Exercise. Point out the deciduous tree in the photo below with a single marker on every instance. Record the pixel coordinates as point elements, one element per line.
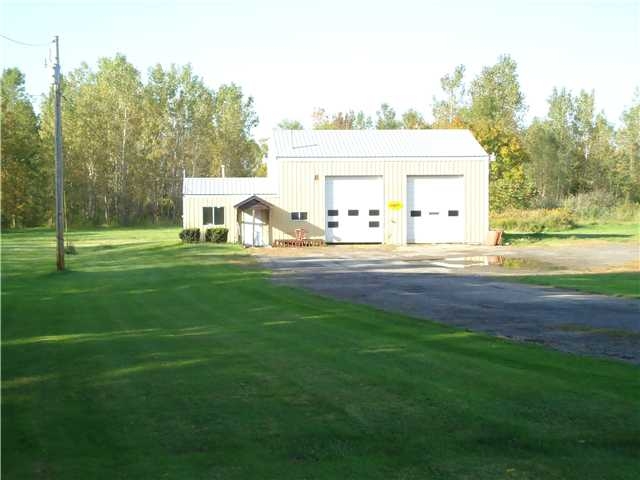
<point>627,168</point>
<point>413,120</point>
<point>26,178</point>
<point>387,118</point>
<point>495,116</point>
<point>340,121</point>
<point>233,146</point>
<point>287,124</point>
<point>446,112</point>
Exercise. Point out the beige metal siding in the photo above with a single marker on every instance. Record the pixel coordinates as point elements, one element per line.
<point>302,189</point>
<point>302,184</point>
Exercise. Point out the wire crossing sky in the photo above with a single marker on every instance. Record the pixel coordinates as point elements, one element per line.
<point>24,44</point>
<point>295,56</point>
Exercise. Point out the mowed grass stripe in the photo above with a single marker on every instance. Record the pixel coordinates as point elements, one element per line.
<point>150,359</point>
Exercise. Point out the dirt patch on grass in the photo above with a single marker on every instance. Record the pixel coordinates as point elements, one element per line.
<point>632,266</point>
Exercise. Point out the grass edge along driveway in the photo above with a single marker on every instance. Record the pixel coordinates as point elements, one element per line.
<point>150,359</point>
<point>615,232</point>
<point>621,284</point>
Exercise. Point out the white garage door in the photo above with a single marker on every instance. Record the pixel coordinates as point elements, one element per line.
<point>354,209</point>
<point>435,209</point>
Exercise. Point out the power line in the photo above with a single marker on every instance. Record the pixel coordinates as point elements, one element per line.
<point>25,44</point>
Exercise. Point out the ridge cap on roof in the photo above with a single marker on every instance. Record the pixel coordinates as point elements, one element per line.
<point>228,178</point>
<point>372,130</point>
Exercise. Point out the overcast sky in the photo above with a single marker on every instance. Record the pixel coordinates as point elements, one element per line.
<point>295,56</point>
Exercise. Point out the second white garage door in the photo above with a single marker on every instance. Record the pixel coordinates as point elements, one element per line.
<point>435,209</point>
<point>354,209</point>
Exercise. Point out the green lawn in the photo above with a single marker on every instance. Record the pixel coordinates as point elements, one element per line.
<point>611,232</point>
<point>150,359</point>
<point>625,284</point>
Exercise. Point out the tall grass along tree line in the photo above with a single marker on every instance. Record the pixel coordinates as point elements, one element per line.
<point>129,140</point>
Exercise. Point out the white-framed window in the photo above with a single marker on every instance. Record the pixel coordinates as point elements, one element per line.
<point>212,215</point>
<point>298,216</point>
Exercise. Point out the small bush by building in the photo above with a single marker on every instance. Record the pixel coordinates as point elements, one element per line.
<point>190,235</point>
<point>216,235</point>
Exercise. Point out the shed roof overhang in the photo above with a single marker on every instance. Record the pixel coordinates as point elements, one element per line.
<point>253,202</point>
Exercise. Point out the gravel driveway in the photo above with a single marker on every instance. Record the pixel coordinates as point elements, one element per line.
<point>458,286</point>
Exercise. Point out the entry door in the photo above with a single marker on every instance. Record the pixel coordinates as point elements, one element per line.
<point>435,209</point>
<point>354,209</point>
<point>258,231</point>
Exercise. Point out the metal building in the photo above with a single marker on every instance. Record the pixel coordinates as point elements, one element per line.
<point>353,186</point>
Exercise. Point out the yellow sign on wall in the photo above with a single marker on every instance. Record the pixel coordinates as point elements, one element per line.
<point>395,205</point>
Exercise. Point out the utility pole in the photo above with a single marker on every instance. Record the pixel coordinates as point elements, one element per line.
<point>59,165</point>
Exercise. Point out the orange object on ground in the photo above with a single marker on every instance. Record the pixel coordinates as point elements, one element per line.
<point>494,237</point>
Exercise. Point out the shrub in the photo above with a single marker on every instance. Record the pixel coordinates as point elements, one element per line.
<point>511,190</point>
<point>216,235</point>
<point>601,206</point>
<point>627,212</point>
<point>545,202</point>
<point>592,205</point>
<point>190,235</point>
<point>534,221</point>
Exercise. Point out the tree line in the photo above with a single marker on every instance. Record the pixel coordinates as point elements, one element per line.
<point>573,150</point>
<point>128,141</point>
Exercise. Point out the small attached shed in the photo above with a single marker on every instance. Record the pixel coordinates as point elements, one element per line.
<point>240,204</point>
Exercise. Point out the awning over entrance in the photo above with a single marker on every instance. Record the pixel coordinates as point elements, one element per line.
<point>253,219</point>
<point>254,202</point>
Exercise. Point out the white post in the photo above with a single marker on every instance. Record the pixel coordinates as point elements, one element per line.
<point>253,227</point>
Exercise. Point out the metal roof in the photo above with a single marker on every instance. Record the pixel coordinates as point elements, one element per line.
<point>228,186</point>
<point>342,144</point>
<point>375,143</point>
<point>252,202</point>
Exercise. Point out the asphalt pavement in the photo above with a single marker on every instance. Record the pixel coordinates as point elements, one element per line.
<point>459,291</point>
